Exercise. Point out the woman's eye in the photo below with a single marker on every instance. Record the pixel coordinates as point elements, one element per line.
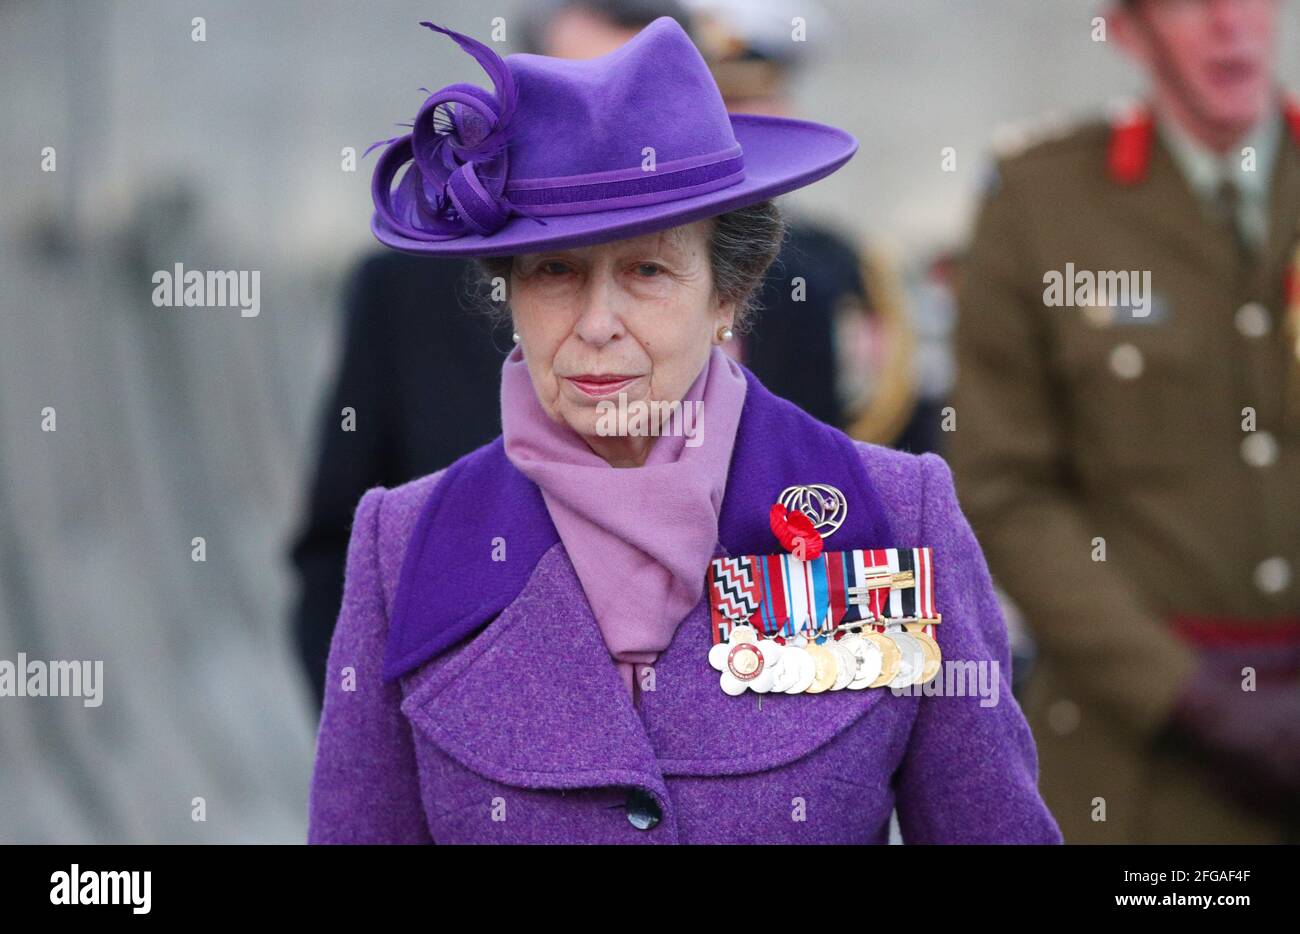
<point>648,270</point>
<point>554,268</point>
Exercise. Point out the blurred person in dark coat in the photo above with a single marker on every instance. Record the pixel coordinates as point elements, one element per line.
<point>421,383</point>
<point>833,335</point>
<point>1130,460</point>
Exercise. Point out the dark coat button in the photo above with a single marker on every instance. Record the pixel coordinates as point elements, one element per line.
<point>642,809</point>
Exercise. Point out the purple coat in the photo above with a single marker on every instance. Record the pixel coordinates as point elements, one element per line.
<point>491,711</point>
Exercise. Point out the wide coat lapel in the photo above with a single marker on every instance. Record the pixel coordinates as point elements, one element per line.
<point>534,700</point>
<point>481,533</point>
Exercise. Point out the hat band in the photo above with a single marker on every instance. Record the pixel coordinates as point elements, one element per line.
<point>626,188</point>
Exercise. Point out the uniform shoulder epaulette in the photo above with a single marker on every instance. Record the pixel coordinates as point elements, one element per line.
<point>1040,146</point>
<point>1050,133</point>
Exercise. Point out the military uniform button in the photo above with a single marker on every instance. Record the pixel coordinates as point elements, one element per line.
<point>1126,361</point>
<point>1253,320</point>
<point>1099,316</point>
<point>1273,575</point>
<point>1259,449</point>
<point>642,809</point>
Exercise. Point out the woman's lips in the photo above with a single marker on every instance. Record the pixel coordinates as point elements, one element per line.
<point>598,386</point>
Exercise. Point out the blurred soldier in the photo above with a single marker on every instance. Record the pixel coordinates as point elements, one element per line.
<point>1128,447</point>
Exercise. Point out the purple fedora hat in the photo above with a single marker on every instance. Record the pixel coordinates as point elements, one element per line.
<point>570,153</point>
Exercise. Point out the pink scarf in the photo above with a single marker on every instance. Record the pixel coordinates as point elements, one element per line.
<point>640,538</point>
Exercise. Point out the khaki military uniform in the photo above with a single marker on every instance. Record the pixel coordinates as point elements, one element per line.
<point>1079,428</point>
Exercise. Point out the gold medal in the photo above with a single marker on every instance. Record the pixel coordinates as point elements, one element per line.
<point>826,667</point>
<point>890,657</point>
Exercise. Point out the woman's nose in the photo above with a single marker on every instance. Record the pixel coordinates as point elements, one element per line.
<point>599,319</point>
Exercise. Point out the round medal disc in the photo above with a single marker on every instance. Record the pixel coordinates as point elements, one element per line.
<point>846,665</point>
<point>933,657</point>
<point>805,670</point>
<point>771,650</point>
<point>890,657</point>
<point>745,661</point>
<point>912,662</point>
<point>784,671</point>
<point>869,659</point>
<point>826,670</point>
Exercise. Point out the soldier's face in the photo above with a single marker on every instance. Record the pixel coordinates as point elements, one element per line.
<point>577,33</point>
<point>1214,56</point>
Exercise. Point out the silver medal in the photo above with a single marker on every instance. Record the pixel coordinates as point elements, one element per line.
<point>869,660</point>
<point>912,663</point>
<point>846,666</point>
<point>805,669</point>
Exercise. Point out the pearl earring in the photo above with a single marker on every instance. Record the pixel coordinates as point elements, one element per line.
<point>725,334</point>
<point>515,337</point>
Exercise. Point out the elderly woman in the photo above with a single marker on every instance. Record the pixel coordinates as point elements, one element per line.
<point>665,605</point>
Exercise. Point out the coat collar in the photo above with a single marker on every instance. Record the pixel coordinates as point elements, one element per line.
<point>532,698</point>
<point>535,700</point>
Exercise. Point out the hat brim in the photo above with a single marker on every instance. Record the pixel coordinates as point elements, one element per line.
<point>781,155</point>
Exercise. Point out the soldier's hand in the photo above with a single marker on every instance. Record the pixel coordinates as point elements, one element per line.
<point>1250,739</point>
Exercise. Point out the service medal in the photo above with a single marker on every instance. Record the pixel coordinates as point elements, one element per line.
<point>826,670</point>
<point>805,669</point>
<point>933,656</point>
<point>868,657</point>
<point>890,657</point>
<point>912,661</point>
<point>873,608</point>
<point>846,665</point>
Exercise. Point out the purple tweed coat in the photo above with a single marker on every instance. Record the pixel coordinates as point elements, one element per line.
<point>470,704</point>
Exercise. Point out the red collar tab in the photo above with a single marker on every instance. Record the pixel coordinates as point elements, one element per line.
<point>1133,133</point>
<point>1292,110</point>
<point>1130,146</point>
